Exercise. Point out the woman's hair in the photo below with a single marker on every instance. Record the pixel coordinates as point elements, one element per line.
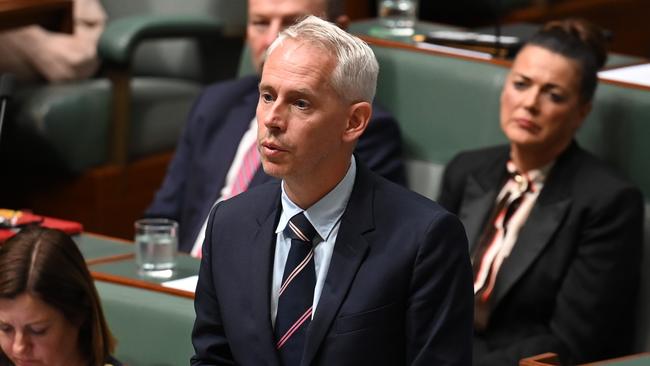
<point>47,264</point>
<point>580,41</point>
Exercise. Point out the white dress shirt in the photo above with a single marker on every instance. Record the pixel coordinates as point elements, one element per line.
<point>325,216</point>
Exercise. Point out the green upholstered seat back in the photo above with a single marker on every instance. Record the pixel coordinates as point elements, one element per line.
<point>446,104</point>
<point>181,57</point>
<point>151,328</point>
<point>443,104</point>
<point>617,130</point>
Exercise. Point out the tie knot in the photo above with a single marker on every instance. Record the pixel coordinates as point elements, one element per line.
<point>300,228</point>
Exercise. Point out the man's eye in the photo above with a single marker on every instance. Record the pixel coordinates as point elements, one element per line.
<point>301,103</point>
<point>260,23</point>
<point>6,328</point>
<point>266,97</point>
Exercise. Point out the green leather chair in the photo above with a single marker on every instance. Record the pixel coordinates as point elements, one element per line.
<point>157,55</point>
<point>80,144</point>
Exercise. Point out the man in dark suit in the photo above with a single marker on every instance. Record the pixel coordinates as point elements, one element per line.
<point>383,273</point>
<point>221,128</point>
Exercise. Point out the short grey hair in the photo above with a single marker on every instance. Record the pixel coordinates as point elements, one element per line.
<point>355,76</point>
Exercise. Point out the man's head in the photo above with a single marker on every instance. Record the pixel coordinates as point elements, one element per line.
<point>266,18</point>
<point>315,102</point>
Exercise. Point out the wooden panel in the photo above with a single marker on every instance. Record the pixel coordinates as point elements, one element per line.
<point>356,9</point>
<point>626,19</point>
<point>106,200</point>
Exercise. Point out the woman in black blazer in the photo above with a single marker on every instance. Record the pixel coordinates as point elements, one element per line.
<point>555,235</point>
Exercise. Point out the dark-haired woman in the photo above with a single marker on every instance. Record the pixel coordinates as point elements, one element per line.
<point>50,312</point>
<point>555,235</point>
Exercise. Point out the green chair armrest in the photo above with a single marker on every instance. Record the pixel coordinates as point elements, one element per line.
<point>121,36</point>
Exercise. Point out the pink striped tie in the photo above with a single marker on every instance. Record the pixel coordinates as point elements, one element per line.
<point>297,291</point>
<point>247,170</point>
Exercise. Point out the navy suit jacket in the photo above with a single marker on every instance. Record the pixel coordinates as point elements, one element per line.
<point>398,290</point>
<point>209,142</point>
<point>569,285</point>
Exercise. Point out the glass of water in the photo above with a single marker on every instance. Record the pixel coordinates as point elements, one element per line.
<point>156,242</point>
<point>398,15</point>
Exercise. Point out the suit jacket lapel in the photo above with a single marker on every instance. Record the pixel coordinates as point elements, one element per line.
<point>349,251</point>
<point>545,218</point>
<point>479,196</point>
<point>475,209</point>
<point>542,222</point>
<point>259,284</point>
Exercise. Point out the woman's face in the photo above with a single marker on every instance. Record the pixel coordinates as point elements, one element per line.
<point>34,333</point>
<point>541,107</point>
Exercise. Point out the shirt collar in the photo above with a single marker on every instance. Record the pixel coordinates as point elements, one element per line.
<point>326,213</point>
<point>535,176</point>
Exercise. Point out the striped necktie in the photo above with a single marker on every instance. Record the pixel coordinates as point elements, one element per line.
<point>297,291</point>
<point>249,166</point>
<point>247,170</point>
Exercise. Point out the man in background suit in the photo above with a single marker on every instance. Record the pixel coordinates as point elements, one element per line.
<point>221,129</point>
<point>386,278</point>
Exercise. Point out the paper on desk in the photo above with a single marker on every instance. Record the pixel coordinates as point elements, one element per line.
<point>454,50</point>
<point>185,284</point>
<point>637,74</point>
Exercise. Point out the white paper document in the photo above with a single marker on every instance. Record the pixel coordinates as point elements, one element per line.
<point>637,74</point>
<point>185,284</point>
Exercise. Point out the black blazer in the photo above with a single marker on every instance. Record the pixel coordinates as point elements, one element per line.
<point>208,144</point>
<point>569,286</point>
<point>398,290</point>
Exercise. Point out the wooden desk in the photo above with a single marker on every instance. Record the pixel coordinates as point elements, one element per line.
<point>113,260</point>
<point>372,32</point>
<point>100,249</point>
<point>124,271</point>
<point>55,15</point>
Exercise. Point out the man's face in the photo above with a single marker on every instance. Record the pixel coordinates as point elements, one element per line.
<point>301,119</point>
<point>266,18</point>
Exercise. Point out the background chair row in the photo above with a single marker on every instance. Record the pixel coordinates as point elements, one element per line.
<point>96,150</point>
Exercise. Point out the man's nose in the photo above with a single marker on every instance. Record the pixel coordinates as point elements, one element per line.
<point>272,33</point>
<point>274,116</point>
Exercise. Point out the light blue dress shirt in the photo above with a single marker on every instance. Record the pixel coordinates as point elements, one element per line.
<point>325,217</point>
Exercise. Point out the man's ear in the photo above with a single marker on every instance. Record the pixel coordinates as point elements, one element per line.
<point>343,21</point>
<point>358,119</point>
